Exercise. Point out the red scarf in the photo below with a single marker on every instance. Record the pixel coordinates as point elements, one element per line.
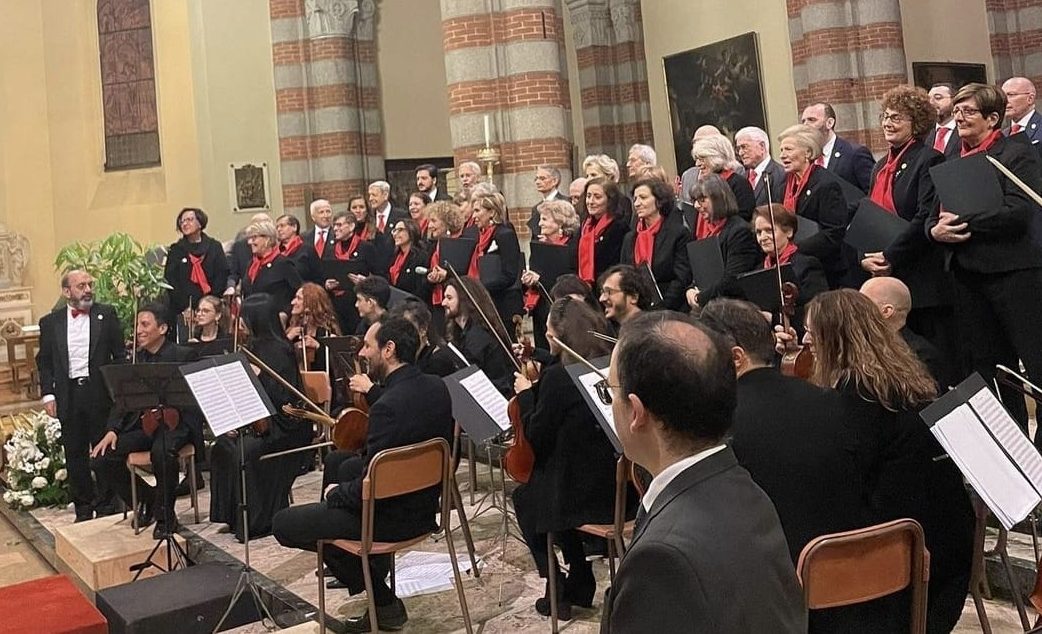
<point>437,290</point>
<point>794,186</point>
<point>423,226</point>
<point>345,254</point>
<point>398,265</point>
<point>484,240</point>
<point>708,228</point>
<point>592,231</point>
<point>984,145</point>
<point>882,192</point>
<point>644,245</point>
<point>726,175</point>
<point>292,245</point>
<point>532,294</point>
<point>198,275</point>
<point>785,255</point>
<point>257,263</point>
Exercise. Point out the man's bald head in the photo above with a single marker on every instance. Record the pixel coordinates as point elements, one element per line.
<point>892,297</point>
<point>1020,97</point>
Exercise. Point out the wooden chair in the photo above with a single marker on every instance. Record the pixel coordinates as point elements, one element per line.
<point>394,472</point>
<point>138,461</point>
<point>865,564</point>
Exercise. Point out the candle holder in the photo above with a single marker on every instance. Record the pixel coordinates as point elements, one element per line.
<point>489,156</point>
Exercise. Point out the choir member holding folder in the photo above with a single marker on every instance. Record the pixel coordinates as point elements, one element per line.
<point>603,229</point>
<point>409,254</point>
<point>497,259</point>
<point>351,259</point>
<point>552,255</point>
<point>657,246</point>
<point>810,275</point>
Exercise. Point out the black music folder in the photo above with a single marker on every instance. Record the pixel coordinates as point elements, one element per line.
<point>339,270</point>
<point>490,269</point>
<point>478,407</point>
<point>761,287</point>
<point>551,261</point>
<point>805,228</point>
<point>967,185</point>
<point>992,452</point>
<point>215,348</point>
<point>851,193</point>
<point>457,252</point>
<point>398,296</point>
<point>585,379</point>
<point>873,228</point>
<point>139,386</point>
<point>707,263</point>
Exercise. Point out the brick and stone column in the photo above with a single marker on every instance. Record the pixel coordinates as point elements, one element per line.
<point>847,53</point>
<point>609,45</point>
<point>1015,27</point>
<point>509,64</point>
<point>327,100</point>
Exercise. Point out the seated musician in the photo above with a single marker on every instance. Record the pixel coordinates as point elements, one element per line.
<point>349,245</point>
<point>625,293</point>
<point>269,482</point>
<point>810,275</point>
<point>573,478</point>
<point>468,328</point>
<point>395,421</point>
<point>126,435</point>
<point>311,317</point>
<point>371,298</point>
<point>209,321</point>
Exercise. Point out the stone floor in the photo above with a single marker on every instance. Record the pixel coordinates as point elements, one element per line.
<point>500,600</point>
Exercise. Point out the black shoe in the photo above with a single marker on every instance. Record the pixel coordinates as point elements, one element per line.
<point>183,489</point>
<point>564,609</point>
<point>165,529</point>
<point>389,618</point>
<point>144,516</point>
<point>580,586</point>
<point>110,507</point>
<point>83,517</point>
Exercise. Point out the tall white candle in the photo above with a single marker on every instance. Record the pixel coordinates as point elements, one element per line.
<point>486,131</point>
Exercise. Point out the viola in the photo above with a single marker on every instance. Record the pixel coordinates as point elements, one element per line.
<point>520,457</point>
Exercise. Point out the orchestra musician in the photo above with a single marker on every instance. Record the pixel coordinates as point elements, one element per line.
<point>269,482</point>
<point>409,253</point>
<point>195,264</point>
<point>394,421</point>
<point>497,241</point>
<point>557,223</point>
<point>126,434</point>
<point>810,275</point>
<point>349,245</point>
<point>603,229</point>
<point>311,317</point>
<point>573,478</point>
<point>625,293</point>
<point>209,320</point>
<point>467,329</point>
<point>372,296</point>
<point>720,218</point>
<point>269,272</point>
<point>657,246</point>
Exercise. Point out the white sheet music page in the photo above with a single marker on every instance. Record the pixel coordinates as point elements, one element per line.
<point>1005,429</point>
<point>992,474</point>
<point>214,401</point>
<point>589,380</point>
<point>488,398</point>
<point>243,393</point>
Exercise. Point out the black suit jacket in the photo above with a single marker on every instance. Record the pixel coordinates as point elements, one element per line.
<point>533,220</point>
<point>710,557</point>
<point>309,240</point>
<point>669,262</point>
<point>741,254</point>
<point>480,348</point>
<point>52,359</point>
<point>178,269</point>
<point>408,279</point>
<point>1008,238</point>
<point>238,262</point>
<point>279,278</point>
<point>504,288</point>
<point>396,420</point>
<point>776,174</point>
<point>1033,131</point>
<point>822,201</point>
<point>852,162</point>
<point>951,144</point>
<point>393,216</point>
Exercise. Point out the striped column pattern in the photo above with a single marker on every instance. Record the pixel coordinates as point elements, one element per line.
<point>847,53</point>
<point>327,100</point>
<point>609,46</point>
<point>1015,27</point>
<point>506,59</point>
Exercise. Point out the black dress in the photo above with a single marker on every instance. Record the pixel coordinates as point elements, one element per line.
<point>500,272</point>
<point>178,271</point>
<point>268,483</point>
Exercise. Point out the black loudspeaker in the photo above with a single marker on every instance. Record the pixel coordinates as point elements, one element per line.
<point>185,601</point>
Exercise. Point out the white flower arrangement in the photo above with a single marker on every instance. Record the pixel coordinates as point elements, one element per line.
<point>36,473</point>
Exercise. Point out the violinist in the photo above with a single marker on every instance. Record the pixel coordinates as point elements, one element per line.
<point>195,264</point>
<point>126,435</point>
<point>474,330</point>
<point>311,318</point>
<point>625,293</point>
<point>349,245</point>
<point>209,321</point>
<point>603,229</point>
<point>558,223</point>
<point>657,246</point>
<point>497,257</point>
<point>372,296</point>
<point>810,275</point>
<point>269,482</point>
<point>573,479</point>
<point>269,272</point>
<point>409,253</point>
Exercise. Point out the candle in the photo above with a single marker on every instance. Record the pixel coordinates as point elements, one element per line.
<point>486,131</point>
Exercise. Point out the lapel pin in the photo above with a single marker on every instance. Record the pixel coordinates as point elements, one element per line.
<point>904,165</point>
<point>100,317</point>
<point>836,155</point>
<point>184,260</point>
<point>808,192</point>
<point>269,265</point>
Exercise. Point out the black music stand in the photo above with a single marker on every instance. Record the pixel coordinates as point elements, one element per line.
<point>342,352</point>
<point>149,386</point>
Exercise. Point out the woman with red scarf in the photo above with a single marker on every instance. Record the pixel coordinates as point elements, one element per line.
<point>409,253</point>
<point>657,245</point>
<point>497,257</point>
<point>444,220</point>
<point>715,155</point>
<point>349,245</point>
<point>269,272</point>
<point>558,223</point>
<point>814,193</point>
<point>738,249</point>
<point>292,247</point>
<point>603,229</point>
<point>810,276</point>
<point>365,226</point>
<point>195,265</point>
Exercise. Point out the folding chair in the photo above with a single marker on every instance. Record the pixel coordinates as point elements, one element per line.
<point>138,461</point>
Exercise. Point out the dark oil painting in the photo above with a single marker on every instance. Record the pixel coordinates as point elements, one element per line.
<point>927,74</point>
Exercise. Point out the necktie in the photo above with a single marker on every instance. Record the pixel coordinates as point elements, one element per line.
<point>941,139</point>
<point>320,241</point>
<point>752,177</point>
<point>820,160</point>
<point>1015,128</point>
<point>381,223</point>
<point>642,517</point>
<point>76,312</point>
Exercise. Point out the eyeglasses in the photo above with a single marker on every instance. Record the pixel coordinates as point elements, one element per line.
<point>1017,94</point>
<point>892,118</point>
<point>397,229</point>
<point>604,390</point>
<point>965,111</point>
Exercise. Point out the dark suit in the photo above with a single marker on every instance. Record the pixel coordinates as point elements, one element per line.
<point>309,240</point>
<point>393,216</point>
<point>1032,131</point>
<point>741,254</point>
<point>852,162</point>
<point>822,201</point>
<point>441,194</point>
<point>710,556</point>
<point>178,269</point>
<point>394,421</point>
<point>951,143</point>
<point>669,262</point>
<point>82,406</point>
<point>743,194</point>
<point>278,278</point>
<point>238,262</point>
<point>533,220</point>
<point>776,174</point>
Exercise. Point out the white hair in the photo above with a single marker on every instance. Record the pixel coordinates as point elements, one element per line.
<point>645,153</point>
<point>469,165</point>
<point>318,202</point>
<point>756,134</point>
<point>383,186</point>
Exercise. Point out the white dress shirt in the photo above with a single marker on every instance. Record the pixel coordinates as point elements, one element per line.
<point>662,480</point>
<point>551,196</point>
<point>1023,122</point>
<point>826,152</point>
<point>759,169</point>
<point>433,193</point>
<point>320,234</point>
<point>78,339</point>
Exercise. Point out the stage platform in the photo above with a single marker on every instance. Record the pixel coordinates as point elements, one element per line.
<point>501,600</point>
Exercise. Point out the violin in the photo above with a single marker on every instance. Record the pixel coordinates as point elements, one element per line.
<point>352,424</point>
<point>798,361</point>
<point>520,457</point>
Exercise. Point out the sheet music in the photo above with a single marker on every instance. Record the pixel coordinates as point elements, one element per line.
<point>226,397</point>
<point>243,394</point>
<point>589,380</point>
<point>1005,429</point>
<point>488,398</point>
<point>994,477</point>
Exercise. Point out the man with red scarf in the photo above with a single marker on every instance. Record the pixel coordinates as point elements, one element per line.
<point>995,255</point>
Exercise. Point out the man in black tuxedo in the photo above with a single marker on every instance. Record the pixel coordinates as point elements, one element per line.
<point>943,137</point>
<point>428,183</point>
<point>126,434</point>
<point>672,392</point>
<point>75,342</point>
<point>320,238</point>
<point>850,161</point>
<point>413,407</point>
<point>547,182</point>
<point>379,195</point>
<point>753,147</point>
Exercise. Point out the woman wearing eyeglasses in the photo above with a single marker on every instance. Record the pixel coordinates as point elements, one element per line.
<point>195,265</point>
<point>573,479</point>
<point>408,254</point>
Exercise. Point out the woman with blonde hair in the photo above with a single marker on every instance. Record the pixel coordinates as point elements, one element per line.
<point>496,261</point>
<point>269,272</point>
<point>558,224</point>
<point>445,220</point>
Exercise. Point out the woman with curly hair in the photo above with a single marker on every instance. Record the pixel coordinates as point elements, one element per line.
<point>883,386</point>
<point>311,317</point>
<point>901,184</point>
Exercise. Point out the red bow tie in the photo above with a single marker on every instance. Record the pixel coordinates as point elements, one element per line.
<point>76,312</point>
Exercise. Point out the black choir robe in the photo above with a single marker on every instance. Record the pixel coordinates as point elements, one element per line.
<point>279,278</point>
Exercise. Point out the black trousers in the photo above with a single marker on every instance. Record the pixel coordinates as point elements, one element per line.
<point>163,447</point>
<point>83,424</point>
<point>568,540</point>
<point>998,319</point>
<point>332,472</point>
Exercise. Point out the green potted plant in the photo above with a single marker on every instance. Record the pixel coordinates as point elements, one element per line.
<point>121,268</point>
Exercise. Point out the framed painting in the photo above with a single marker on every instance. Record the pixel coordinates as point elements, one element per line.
<point>717,84</point>
<point>926,74</point>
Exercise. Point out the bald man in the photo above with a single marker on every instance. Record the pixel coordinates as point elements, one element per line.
<point>690,176</point>
<point>1020,109</point>
<point>894,301</point>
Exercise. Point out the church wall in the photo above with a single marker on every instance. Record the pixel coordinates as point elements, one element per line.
<point>947,31</point>
<point>575,90</point>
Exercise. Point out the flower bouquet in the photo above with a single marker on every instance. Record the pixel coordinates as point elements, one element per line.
<point>35,470</point>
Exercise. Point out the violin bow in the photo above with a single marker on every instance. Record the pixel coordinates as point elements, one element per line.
<point>578,356</point>
<point>133,330</point>
<point>774,244</point>
<point>484,317</point>
<point>602,337</point>
<point>654,282</point>
<point>1024,187</point>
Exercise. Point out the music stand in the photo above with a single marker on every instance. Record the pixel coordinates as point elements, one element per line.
<point>148,386</point>
<point>342,352</point>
